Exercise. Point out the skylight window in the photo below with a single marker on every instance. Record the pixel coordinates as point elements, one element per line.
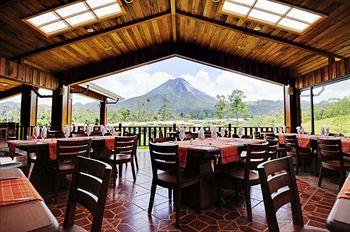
<point>73,15</point>
<point>273,12</point>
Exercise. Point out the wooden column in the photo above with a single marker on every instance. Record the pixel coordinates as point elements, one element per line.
<point>29,105</point>
<point>291,108</point>
<point>103,112</point>
<point>61,108</point>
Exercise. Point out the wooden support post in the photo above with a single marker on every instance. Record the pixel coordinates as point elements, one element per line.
<point>291,108</point>
<point>61,108</point>
<point>29,105</point>
<point>103,113</point>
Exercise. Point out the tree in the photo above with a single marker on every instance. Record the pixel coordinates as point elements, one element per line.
<point>238,107</point>
<point>221,106</point>
<point>164,111</point>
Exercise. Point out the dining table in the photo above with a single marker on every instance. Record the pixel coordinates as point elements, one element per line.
<point>338,219</point>
<point>21,206</point>
<point>44,151</point>
<point>200,157</point>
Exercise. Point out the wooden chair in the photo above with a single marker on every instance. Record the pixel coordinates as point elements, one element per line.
<point>257,135</point>
<point>164,157</point>
<point>247,175</point>
<point>123,153</point>
<point>279,187</point>
<point>294,150</point>
<point>89,188</point>
<point>127,133</point>
<point>273,148</point>
<point>332,158</point>
<point>78,134</point>
<point>67,151</point>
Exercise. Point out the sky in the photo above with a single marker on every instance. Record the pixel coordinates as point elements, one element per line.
<point>213,81</point>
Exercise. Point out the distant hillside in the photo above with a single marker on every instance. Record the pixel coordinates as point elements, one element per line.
<point>180,95</point>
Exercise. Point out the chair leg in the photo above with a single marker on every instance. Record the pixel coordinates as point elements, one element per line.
<point>170,194</point>
<point>178,202</point>
<point>133,171</point>
<point>248,203</point>
<point>320,177</point>
<point>114,171</point>
<point>57,184</point>
<point>151,200</point>
<point>297,166</point>
<point>136,161</point>
<point>316,165</point>
<point>120,171</point>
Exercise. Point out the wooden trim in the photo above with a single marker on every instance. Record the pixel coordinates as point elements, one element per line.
<point>27,75</point>
<point>256,34</point>
<point>189,51</point>
<point>330,73</point>
<point>89,93</point>
<point>107,31</point>
<point>173,19</point>
<point>11,92</point>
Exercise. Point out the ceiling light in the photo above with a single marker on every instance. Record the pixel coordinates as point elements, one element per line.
<point>295,25</point>
<point>238,9</point>
<point>97,3</point>
<point>257,28</point>
<point>257,14</point>
<point>108,10</point>
<point>90,30</point>
<point>43,19</point>
<point>108,47</point>
<point>4,84</point>
<point>72,9</point>
<point>303,15</point>
<point>240,47</point>
<point>53,27</point>
<point>272,6</point>
<point>81,18</point>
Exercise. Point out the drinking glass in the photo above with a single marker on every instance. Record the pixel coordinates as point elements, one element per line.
<point>222,132</point>
<point>240,133</point>
<point>43,133</point>
<point>284,129</point>
<point>36,133</point>
<point>182,135</point>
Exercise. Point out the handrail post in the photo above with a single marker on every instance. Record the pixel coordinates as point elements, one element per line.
<point>174,127</point>
<point>229,129</point>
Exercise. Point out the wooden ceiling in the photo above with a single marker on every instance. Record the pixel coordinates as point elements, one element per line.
<point>149,23</point>
<point>6,84</point>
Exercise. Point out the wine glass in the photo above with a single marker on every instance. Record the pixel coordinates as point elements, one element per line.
<point>240,132</point>
<point>322,131</point>
<point>43,133</point>
<point>66,131</point>
<point>88,130</point>
<point>182,135</point>
<point>327,131</point>
<point>222,132</point>
<point>284,129</point>
<point>36,133</point>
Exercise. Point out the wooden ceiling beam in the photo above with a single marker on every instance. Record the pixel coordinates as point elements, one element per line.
<point>173,19</point>
<point>84,91</point>
<point>249,32</point>
<point>7,3</point>
<point>11,92</point>
<point>90,36</point>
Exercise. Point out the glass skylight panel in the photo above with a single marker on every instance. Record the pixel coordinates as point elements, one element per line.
<point>238,9</point>
<point>273,12</point>
<point>257,14</point>
<point>81,18</point>
<point>245,2</point>
<point>272,6</point>
<point>54,27</point>
<point>303,15</point>
<point>97,3</point>
<point>72,9</point>
<point>72,15</point>
<point>293,24</point>
<point>108,10</point>
<point>43,19</point>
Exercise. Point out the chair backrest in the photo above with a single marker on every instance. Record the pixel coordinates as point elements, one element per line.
<point>290,141</point>
<point>279,187</point>
<point>88,188</point>
<point>68,150</point>
<point>330,149</point>
<point>273,145</point>
<point>162,140</point>
<point>256,154</point>
<point>247,136</point>
<point>164,157</point>
<point>125,145</point>
<point>257,135</point>
<point>78,134</point>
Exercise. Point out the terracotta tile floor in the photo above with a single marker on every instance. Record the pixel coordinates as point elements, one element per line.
<point>126,208</point>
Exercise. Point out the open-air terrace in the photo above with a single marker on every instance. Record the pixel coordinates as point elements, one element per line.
<point>174,115</point>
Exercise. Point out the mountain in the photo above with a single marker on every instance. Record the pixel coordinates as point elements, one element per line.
<point>180,96</point>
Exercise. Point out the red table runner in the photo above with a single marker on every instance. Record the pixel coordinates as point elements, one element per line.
<point>109,143</point>
<point>345,188</point>
<point>14,191</point>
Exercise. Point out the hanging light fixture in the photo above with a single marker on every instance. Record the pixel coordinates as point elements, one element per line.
<point>216,1</point>
<point>128,1</point>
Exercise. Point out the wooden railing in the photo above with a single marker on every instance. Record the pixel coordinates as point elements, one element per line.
<point>145,133</point>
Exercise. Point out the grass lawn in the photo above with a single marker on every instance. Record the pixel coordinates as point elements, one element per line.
<point>340,124</point>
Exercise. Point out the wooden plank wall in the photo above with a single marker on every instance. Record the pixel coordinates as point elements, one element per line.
<point>329,73</point>
<point>28,75</point>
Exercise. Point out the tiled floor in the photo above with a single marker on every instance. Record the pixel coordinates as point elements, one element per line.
<point>126,208</point>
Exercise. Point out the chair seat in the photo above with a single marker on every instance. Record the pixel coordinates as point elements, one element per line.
<point>296,228</point>
<point>238,173</point>
<point>73,228</point>
<point>119,158</point>
<point>169,178</point>
<point>336,164</point>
